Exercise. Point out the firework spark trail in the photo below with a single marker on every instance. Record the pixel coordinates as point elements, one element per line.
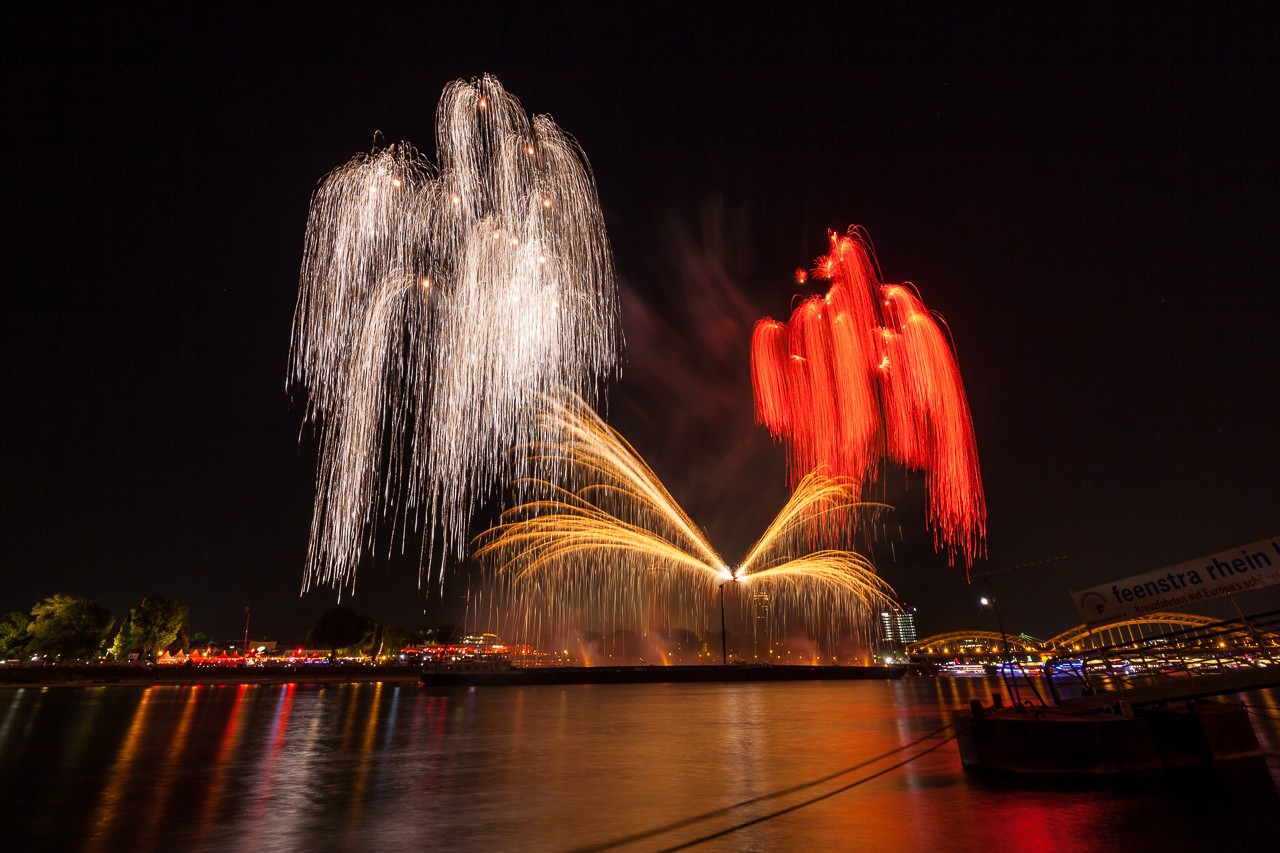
<point>929,425</point>
<point>434,307</point>
<point>866,373</point>
<point>617,545</point>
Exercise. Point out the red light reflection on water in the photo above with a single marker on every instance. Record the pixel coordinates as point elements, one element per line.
<point>432,753</point>
<point>281,722</point>
<point>227,747</point>
<point>265,777</point>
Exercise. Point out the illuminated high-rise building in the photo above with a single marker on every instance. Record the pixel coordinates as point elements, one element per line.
<point>763,631</point>
<point>898,627</point>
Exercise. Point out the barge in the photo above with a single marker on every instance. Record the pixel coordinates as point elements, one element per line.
<point>464,676</point>
<point>1052,741</point>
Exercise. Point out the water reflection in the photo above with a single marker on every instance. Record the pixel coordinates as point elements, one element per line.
<point>642,767</point>
<point>120,776</point>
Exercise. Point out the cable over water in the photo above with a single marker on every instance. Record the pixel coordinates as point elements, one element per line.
<point>696,819</point>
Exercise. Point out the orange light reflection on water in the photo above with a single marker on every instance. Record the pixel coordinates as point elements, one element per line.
<point>164,779</point>
<point>366,745</point>
<point>114,790</point>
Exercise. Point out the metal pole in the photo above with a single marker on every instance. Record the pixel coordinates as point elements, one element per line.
<point>1009,682</point>
<point>724,642</point>
<point>1004,638</point>
<point>1257,639</point>
<point>245,651</point>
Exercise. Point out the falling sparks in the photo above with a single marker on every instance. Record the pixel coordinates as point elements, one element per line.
<point>615,545</point>
<point>422,341</point>
<point>864,373</point>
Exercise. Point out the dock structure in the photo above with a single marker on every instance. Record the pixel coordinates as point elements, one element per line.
<point>1212,659</point>
<point>1132,707</point>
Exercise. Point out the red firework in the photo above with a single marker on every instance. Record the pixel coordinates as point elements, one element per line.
<point>865,373</point>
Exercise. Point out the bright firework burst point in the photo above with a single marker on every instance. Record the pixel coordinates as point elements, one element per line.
<point>421,392</point>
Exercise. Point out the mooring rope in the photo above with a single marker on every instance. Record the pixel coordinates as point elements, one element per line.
<point>690,821</point>
<point>1261,711</point>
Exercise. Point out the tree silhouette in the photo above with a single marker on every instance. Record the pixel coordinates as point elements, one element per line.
<point>154,625</point>
<point>69,626</point>
<point>339,628</point>
<point>15,635</point>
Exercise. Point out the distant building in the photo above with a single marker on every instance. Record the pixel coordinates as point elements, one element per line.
<point>762,633</point>
<point>898,627</point>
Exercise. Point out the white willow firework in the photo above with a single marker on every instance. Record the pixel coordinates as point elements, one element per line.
<point>616,545</point>
<point>434,307</point>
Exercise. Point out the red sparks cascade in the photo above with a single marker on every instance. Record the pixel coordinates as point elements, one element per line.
<point>866,373</point>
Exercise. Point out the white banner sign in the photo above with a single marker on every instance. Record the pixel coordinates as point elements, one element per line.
<point>1225,573</point>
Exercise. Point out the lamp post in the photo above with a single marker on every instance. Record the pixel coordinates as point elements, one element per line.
<point>244,652</point>
<point>1005,676</point>
<point>990,601</point>
<point>1006,662</point>
<point>724,641</point>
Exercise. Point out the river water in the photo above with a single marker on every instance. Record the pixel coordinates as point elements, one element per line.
<point>799,766</point>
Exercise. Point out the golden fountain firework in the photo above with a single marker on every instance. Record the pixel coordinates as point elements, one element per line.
<point>615,547</point>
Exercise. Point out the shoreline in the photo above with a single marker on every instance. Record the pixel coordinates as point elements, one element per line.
<point>142,676</point>
<point>131,675</point>
<point>675,674</point>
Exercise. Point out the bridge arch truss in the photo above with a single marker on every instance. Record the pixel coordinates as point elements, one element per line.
<point>974,643</point>
<point>1084,637</point>
<point>1077,639</point>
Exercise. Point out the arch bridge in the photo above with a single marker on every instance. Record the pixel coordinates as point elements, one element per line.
<point>1078,639</point>
<point>955,643</point>
<point>1084,638</point>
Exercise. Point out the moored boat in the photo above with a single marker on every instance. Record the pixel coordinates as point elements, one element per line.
<point>1051,741</point>
<point>512,675</point>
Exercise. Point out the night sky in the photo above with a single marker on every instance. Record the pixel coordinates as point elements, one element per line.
<point>1087,195</point>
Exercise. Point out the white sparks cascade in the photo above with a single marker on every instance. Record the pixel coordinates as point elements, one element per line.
<point>435,306</point>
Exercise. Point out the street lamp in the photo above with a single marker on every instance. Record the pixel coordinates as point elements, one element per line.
<point>990,601</point>
<point>724,642</point>
<point>1006,663</point>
